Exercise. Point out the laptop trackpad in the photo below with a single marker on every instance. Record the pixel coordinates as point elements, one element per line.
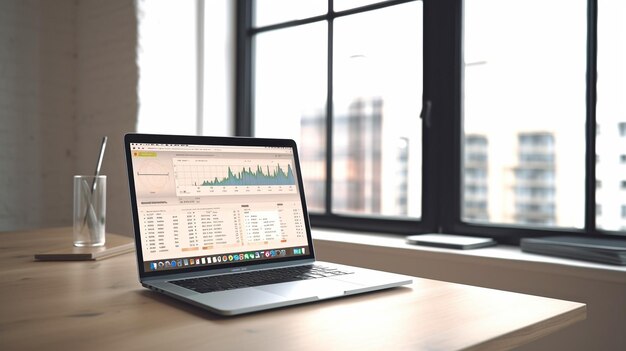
<point>320,288</point>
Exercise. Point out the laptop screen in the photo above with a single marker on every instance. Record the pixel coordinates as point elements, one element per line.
<point>201,205</point>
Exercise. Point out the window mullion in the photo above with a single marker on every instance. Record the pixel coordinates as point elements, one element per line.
<point>442,135</point>
<point>328,200</point>
<point>591,97</point>
<point>199,66</point>
<point>244,63</point>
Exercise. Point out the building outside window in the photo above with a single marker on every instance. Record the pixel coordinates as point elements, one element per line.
<point>475,194</point>
<point>535,178</point>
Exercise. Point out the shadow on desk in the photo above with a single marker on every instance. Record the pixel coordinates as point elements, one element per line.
<point>208,315</point>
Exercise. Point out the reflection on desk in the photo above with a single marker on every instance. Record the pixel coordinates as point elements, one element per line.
<point>100,305</point>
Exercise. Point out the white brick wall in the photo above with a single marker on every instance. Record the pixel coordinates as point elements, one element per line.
<point>68,76</point>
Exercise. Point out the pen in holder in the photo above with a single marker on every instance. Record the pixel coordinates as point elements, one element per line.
<point>89,210</point>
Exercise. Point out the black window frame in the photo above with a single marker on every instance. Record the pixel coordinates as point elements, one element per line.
<point>442,125</point>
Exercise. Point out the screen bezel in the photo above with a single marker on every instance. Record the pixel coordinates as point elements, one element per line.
<point>210,141</point>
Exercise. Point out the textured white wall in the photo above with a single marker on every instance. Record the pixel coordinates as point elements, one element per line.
<point>37,56</point>
<point>68,76</point>
<point>106,96</point>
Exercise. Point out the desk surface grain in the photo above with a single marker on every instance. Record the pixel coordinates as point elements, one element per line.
<point>101,306</point>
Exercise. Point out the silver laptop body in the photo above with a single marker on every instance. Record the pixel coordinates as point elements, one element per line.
<point>208,211</point>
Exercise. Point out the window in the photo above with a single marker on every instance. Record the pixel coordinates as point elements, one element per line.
<point>510,70</point>
<point>611,110</point>
<point>447,115</point>
<point>181,89</point>
<point>377,86</point>
<point>340,82</point>
<point>167,63</point>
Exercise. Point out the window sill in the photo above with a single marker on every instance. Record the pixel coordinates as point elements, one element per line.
<point>502,255</point>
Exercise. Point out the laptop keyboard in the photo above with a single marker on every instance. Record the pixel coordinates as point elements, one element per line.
<point>256,278</point>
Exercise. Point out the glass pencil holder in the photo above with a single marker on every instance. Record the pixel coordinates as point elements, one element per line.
<point>89,210</point>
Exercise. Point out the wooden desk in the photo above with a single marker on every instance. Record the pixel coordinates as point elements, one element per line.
<point>101,306</point>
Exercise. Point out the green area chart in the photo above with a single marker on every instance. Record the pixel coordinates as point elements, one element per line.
<point>254,177</point>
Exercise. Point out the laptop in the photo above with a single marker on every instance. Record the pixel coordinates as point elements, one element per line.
<point>222,223</point>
